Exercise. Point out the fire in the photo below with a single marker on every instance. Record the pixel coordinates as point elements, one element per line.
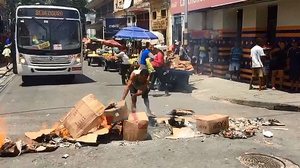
<point>2,131</point>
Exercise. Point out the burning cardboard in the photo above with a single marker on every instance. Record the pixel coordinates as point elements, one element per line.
<point>86,115</point>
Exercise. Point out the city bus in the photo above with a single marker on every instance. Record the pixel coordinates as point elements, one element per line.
<point>48,41</point>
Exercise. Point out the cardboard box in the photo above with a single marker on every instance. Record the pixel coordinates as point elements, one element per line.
<point>116,112</point>
<point>212,124</point>
<point>86,115</point>
<point>135,128</point>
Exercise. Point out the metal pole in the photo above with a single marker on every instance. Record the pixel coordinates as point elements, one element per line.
<point>185,32</point>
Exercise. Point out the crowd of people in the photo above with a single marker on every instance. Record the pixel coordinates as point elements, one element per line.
<point>151,66</point>
<point>275,62</point>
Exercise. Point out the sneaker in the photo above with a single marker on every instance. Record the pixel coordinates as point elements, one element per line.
<point>273,88</point>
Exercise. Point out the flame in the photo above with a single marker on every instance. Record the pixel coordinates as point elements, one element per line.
<point>3,129</point>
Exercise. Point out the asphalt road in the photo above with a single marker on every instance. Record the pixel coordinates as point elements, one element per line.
<point>40,105</point>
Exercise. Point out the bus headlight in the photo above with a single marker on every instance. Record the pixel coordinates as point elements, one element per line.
<point>22,59</point>
<point>78,60</point>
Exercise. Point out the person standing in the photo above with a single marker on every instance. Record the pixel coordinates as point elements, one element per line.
<point>294,61</point>
<point>213,56</point>
<point>202,55</point>
<point>257,66</point>
<point>278,63</point>
<point>146,54</point>
<point>138,86</point>
<point>183,53</point>
<point>125,65</point>
<point>235,58</point>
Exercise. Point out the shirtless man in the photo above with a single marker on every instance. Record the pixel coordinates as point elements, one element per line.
<point>138,85</point>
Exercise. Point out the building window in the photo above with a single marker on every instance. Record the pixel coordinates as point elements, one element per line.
<point>163,13</point>
<point>154,15</point>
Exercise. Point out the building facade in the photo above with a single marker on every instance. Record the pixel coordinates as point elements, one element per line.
<point>102,9</point>
<point>242,21</point>
<point>160,18</point>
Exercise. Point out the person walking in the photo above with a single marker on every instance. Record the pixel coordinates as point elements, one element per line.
<point>294,62</point>
<point>138,86</point>
<point>257,66</point>
<point>146,54</point>
<point>6,53</point>
<point>235,58</point>
<point>125,65</point>
<point>278,58</point>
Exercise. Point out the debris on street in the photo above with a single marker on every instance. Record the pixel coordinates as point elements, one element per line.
<point>267,134</point>
<point>272,122</point>
<point>182,112</point>
<point>89,122</point>
<point>212,124</point>
<point>65,156</point>
<point>135,128</point>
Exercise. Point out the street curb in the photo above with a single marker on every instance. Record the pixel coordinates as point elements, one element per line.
<point>6,82</point>
<point>266,105</point>
<point>2,75</point>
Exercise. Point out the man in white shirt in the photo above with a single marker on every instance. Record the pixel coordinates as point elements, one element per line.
<point>257,65</point>
<point>125,65</point>
<point>6,53</point>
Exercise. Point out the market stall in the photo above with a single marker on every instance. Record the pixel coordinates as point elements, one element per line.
<point>178,73</point>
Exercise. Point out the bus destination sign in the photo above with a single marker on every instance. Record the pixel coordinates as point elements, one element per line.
<point>49,13</point>
<point>42,12</point>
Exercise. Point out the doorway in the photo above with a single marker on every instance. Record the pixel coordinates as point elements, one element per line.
<point>239,26</point>
<point>272,24</point>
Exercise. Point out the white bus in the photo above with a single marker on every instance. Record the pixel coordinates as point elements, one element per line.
<point>48,41</point>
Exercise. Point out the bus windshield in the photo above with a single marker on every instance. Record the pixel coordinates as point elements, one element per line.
<point>48,34</point>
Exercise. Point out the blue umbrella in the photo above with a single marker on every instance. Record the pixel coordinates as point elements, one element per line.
<point>135,33</point>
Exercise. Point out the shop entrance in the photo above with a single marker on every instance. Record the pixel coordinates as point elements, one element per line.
<point>239,26</point>
<point>272,24</point>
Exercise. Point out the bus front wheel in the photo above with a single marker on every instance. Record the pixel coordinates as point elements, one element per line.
<point>26,79</point>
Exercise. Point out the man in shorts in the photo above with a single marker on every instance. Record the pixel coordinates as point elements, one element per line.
<point>257,65</point>
<point>138,85</point>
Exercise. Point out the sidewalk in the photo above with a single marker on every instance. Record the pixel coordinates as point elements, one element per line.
<point>4,71</point>
<point>239,93</point>
<point>5,76</point>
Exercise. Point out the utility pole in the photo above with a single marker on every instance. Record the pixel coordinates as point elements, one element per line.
<point>185,31</point>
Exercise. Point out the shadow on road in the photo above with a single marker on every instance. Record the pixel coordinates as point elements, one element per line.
<point>57,80</point>
<point>115,85</point>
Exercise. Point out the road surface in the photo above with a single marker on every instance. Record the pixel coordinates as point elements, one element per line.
<point>40,105</point>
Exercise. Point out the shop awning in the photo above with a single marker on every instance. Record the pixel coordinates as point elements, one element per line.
<point>177,6</point>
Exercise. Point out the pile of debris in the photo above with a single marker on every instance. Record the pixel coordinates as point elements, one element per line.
<point>184,124</point>
<point>85,123</point>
